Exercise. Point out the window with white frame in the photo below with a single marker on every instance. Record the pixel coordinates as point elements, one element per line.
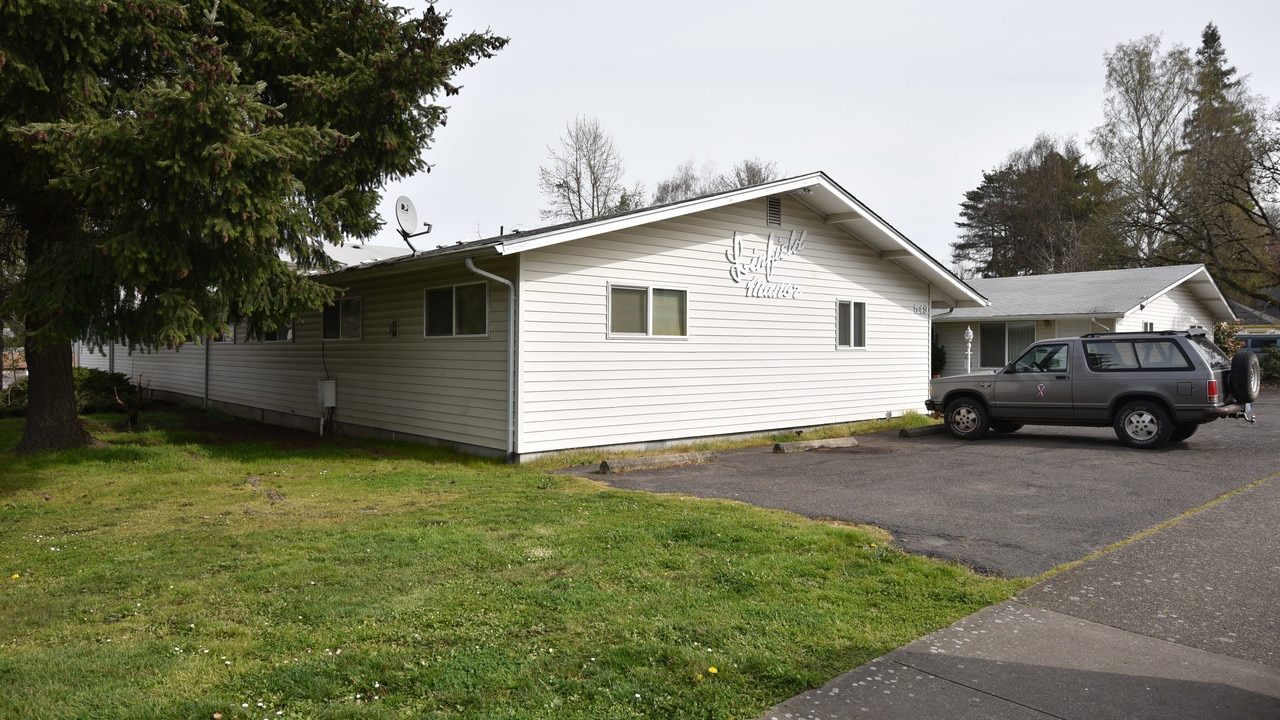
<point>851,324</point>
<point>341,320</point>
<point>456,311</point>
<point>648,311</point>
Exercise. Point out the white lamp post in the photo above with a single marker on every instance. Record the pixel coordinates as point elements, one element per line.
<point>968,349</point>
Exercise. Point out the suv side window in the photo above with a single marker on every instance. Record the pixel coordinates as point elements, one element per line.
<point>1042,358</point>
<point>1119,355</point>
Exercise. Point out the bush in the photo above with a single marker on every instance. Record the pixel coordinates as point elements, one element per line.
<point>95,393</point>
<point>1270,358</point>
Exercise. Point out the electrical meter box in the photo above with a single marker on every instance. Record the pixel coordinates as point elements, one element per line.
<point>327,393</point>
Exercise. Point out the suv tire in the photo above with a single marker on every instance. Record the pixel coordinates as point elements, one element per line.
<point>1246,376</point>
<point>967,418</point>
<point>1143,424</point>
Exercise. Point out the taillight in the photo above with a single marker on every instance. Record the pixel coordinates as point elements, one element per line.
<point>1213,391</point>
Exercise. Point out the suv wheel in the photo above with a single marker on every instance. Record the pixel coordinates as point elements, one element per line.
<point>967,419</point>
<point>1246,376</point>
<point>1143,424</point>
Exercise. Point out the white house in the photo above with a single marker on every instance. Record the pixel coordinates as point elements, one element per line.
<point>783,305</point>
<point>1027,308</point>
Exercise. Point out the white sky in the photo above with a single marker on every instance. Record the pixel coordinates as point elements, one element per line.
<point>904,104</point>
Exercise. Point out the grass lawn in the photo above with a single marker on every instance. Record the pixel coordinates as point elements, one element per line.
<point>207,568</point>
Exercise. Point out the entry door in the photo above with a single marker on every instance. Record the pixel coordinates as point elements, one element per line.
<point>1037,386</point>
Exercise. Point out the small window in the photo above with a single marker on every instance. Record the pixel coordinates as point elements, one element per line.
<point>341,320</point>
<point>851,324</point>
<point>1148,327</point>
<point>460,310</point>
<point>660,312</point>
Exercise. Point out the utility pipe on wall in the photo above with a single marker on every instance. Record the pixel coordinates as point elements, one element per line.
<point>511,352</point>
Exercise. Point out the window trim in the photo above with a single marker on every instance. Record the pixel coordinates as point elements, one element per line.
<point>454,329</point>
<point>648,333</point>
<point>856,329</point>
<point>337,307</point>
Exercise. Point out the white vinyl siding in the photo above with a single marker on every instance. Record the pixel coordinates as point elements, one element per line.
<point>450,389</point>
<point>748,363</point>
<point>1177,309</point>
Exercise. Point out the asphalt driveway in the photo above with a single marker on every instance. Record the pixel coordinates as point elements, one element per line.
<point>1013,505</point>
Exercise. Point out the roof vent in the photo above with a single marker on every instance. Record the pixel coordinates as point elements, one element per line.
<point>774,215</point>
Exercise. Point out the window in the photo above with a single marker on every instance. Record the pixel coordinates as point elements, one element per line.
<point>1112,355</point>
<point>341,320</point>
<point>282,333</point>
<point>460,310</point>
<point>648,311</point>
<point>1045,358</point>
<point>851,324</point>
<point>1001,342</point>
<point>1148,327</point>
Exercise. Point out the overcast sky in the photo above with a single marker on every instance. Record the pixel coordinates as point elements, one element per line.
<point>904,104</point>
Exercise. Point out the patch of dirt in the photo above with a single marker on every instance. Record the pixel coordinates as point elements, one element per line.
<point>216,429</point>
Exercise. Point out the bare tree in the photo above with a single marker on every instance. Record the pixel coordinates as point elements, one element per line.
<point>1148,99</point>
<point>583,176</point>
<point>689,182</point>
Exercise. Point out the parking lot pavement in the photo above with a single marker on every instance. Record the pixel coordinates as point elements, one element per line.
<point>1014,505</point>
<point>1183,622</point>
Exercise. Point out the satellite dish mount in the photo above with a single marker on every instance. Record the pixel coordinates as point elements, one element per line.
<point>407,218</point>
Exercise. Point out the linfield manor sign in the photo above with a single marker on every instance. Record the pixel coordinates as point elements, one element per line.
<point>752,264</point>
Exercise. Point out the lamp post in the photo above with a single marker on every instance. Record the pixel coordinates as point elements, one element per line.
<point>968,349</point>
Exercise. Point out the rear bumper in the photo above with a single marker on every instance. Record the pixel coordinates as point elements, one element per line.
<point>932,405</point>
<point>1233,410</point>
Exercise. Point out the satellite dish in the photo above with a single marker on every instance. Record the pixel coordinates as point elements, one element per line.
<point>406,215</point>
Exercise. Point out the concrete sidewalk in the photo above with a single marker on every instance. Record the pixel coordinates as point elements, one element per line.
<point>1182,623</point>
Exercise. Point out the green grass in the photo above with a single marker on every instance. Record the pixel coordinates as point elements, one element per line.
<point>178,575</point>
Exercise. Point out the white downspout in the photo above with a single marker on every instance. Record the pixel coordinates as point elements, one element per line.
<point>511,353</point>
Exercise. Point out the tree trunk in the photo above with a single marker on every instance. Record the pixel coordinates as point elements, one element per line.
<point>52,421</point>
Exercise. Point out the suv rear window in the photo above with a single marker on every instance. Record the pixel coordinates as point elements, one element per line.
<point>1211,353</point>
<point>1120,355</point>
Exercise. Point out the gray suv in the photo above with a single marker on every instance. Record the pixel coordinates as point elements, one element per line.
<point>1152,387</point>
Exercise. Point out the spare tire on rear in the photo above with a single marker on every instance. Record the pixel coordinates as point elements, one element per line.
<point>1246,376</point>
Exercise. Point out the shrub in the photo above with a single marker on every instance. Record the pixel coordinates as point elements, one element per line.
<point>1270,358</point>
<point>95,393</point>
<point>939,356</point>
<point>1224,336</point>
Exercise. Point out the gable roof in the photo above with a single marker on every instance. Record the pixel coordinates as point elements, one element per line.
<point>1097,294</point>
<point>815,191</point>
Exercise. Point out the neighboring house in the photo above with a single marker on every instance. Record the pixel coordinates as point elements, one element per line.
<point>1265,317</point>
<point>783,305</point>
<point>1027,308</point>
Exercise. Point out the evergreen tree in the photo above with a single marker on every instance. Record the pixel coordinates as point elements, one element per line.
<point>1039,212</point>
<point>160,156</point>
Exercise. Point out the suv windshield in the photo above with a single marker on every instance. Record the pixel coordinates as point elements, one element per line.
<point>1211,353</point>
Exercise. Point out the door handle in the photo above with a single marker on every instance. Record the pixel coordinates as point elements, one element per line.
<point>1062,377</point>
